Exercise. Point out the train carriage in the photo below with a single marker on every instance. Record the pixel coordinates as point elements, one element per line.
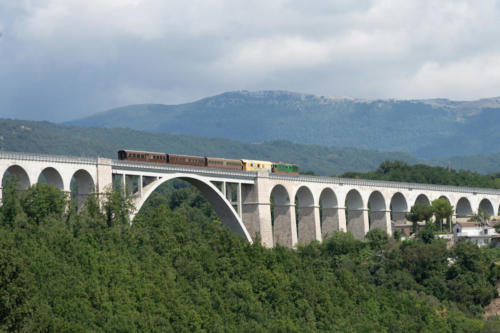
<point>224,163</point>
<point>211,162</point>
<point>254,165</point>
<point>142,156</point>
<point>187,160</point>
<point>285,168</point>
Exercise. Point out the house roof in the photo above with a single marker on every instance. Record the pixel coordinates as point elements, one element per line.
<point>469,224</point>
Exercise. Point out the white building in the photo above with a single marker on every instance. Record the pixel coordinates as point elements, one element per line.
<point>480,233</point>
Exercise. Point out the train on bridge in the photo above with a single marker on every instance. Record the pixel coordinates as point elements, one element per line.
<point>209,162</point>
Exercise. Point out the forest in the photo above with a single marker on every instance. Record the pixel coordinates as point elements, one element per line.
<point>402,172</point>
<point>178,269</point>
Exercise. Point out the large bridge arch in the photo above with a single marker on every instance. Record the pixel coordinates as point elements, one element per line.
<point>220,204</point>
<point>306,222</point>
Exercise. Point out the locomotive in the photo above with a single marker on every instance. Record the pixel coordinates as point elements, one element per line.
<point>210,162</point>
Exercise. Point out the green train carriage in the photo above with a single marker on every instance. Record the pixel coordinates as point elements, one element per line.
<point>285,168</point>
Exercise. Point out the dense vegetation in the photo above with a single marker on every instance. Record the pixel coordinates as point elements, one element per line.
<point>178,269</point>
<point>400,171</point>
<point>426,128</point>
<point>44,137</point>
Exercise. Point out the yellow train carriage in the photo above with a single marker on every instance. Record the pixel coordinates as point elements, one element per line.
<point>252,165</point>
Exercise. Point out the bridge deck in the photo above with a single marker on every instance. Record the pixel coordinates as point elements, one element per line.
<point>243,175</point>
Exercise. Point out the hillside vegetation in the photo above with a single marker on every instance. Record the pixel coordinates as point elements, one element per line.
<point>402,172</point>
<point>49,138</point>
<point>177,269</point>
<point>44,137</point>
<point>425,128</point>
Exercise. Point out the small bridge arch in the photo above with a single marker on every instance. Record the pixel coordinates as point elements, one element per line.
<point>219,203</point>
<point>19,173</point>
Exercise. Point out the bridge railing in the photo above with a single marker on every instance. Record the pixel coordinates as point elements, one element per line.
<point>387,184</point>
<point>46,157</point>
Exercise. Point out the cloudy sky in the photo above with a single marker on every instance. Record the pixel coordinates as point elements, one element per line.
<point>63,59</point>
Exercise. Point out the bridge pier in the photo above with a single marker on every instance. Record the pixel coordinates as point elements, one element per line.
<point>382,220</point>
<point>256,212</point>
<point>399,217</point>
<point>104,181</point>
<point>257,219</point>
<point>308,228</point>
<point>285,226</point>
<point>357,222</point>
<point>330,221</point>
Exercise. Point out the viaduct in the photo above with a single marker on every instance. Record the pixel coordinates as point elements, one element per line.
<point>305,208</point>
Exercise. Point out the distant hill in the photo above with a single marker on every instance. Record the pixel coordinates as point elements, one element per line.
<point>45,137</point>
<point>425,128</point>
<point>50,138</point>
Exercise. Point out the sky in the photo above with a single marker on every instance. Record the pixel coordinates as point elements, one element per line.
<point>65,59</point>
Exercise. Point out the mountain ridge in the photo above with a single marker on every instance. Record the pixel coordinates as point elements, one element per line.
<point>426,128</point>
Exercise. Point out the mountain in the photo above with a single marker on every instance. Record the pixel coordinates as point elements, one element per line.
<point>427,128</point>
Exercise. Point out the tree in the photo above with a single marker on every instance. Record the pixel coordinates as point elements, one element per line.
<point>377,238</point>
<point>419,212</point>
<point>426,235</point>
<point>11,206</point>
<point>42,200</point>
<point>117,208</point>
<point>481,216</point>
<point>442,210</point>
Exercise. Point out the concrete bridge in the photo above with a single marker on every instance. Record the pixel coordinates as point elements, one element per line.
<point>305,208</point>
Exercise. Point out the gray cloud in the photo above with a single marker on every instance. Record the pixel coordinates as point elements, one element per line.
<point>62,59</point>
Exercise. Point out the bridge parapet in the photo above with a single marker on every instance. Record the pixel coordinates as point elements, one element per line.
<point>47,158</point>
<point>385,184</point>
